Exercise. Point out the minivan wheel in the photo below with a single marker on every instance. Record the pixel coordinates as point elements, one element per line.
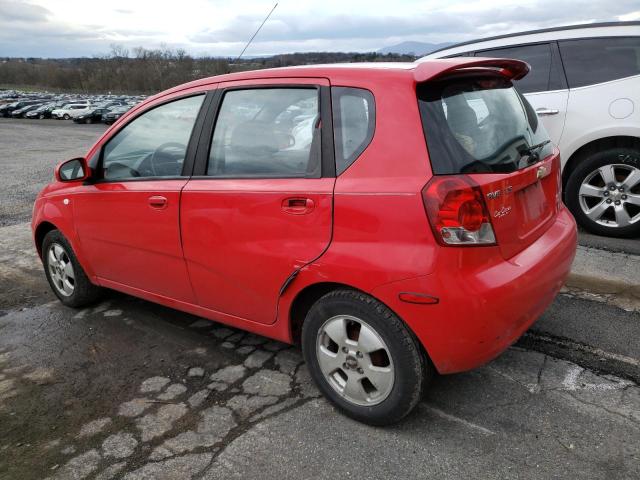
<point>65,275</point>
<point>363,358</point>
<point>603,193</point>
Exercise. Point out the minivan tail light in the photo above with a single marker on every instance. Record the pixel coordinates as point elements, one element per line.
<point>558,167</point>
<point>457,212</point>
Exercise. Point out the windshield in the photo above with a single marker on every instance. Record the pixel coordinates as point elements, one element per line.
<point>480,125</point>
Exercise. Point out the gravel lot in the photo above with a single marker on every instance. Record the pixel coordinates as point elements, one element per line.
<point>130,390</point>
<point>29,151</point>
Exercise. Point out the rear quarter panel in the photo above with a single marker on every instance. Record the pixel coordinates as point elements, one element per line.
<point>381,233</point>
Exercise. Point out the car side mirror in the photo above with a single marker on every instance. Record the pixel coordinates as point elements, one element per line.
<point>73,170</point>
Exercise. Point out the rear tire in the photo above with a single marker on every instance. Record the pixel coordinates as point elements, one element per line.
<point>64,273</point>
<point>363,358</point>
<point>592,198</point>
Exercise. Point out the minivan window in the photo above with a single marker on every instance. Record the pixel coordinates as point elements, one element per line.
<point>537,56</point>
<point>267,133</point>
<point>596,60</point>
<point>479,125</point>
<point>153,144</point>
<point>353,123</point>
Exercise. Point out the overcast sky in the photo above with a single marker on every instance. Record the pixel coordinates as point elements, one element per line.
<point>69,28</point>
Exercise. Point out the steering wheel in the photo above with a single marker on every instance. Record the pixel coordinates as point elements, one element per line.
<point>164,163</point>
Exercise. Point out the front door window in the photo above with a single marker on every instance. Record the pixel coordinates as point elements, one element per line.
<point>153,144</point>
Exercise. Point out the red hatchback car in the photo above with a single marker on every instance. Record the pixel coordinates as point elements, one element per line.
<point>394,219</point>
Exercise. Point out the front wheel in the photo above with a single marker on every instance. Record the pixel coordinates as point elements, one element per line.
<point>603,192</point>
<point>66,116</point>
<point>65,275</point>
<point>363,358</point>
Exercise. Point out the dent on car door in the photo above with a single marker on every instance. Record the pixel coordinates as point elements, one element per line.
<point>128,219</point>
<point>544,86</point>
<point>261,207</point>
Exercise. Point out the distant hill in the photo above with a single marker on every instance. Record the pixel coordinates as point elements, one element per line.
<point>414,48</point>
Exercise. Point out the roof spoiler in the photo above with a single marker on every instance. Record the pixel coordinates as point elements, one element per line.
<point>432,69</point>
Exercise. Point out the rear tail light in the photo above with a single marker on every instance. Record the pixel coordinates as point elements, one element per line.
<point>457,212</point>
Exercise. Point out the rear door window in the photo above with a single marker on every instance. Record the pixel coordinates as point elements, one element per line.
<point>480,125</point>
<point>596,60</point>
<point>267,133</point>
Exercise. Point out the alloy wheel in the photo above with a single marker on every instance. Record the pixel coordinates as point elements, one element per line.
<point>61,270</point>
<point>610,195</point>
<point>355,360</point>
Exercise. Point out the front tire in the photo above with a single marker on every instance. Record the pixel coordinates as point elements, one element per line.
<point>66,116</point>
<point>66,277</point>
<point>603,192</point>
<point>363,358</point>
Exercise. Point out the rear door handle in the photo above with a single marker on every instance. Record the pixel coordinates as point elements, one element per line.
<point>157,201</point>
<point>297,205</point>
<point>546,111</point>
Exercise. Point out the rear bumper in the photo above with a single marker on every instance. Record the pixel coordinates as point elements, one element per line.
<point>484,305</point>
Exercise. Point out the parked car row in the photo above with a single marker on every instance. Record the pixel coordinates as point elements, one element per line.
<point>80,109</point>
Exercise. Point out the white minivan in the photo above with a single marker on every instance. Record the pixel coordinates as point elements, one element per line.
<point>70,110</point>
<point>585,85</point>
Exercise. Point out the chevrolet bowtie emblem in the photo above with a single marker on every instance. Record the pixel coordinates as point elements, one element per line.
<point>541,172</point>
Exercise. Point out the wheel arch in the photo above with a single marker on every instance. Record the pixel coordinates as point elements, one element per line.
<point>41,231</point>
<point>304,300</point>
<point>310,294</point>
<point>614,141</point>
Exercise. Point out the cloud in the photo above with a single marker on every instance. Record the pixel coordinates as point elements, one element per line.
<point>292,28</point>
<point>369,32</point>
<point>12,10</point>
<point>210,27</point>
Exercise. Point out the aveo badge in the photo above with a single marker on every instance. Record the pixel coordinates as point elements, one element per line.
<point>503,212</point>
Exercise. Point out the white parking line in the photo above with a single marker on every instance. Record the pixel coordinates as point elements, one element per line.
<point>462,421</point>
<point>570,382</point>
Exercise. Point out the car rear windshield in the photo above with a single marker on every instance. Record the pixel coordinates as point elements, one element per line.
<point>480,125</point>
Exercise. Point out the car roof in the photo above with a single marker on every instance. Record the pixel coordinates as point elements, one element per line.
<point>588,30</point>
<point>411,71</point>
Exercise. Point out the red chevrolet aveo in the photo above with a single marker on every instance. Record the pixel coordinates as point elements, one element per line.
<point>394,219</point>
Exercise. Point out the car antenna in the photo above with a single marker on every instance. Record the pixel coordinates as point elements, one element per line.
<point>254,35</point>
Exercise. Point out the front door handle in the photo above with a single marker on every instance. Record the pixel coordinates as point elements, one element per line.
<point>546,111</point>
<point>157,201</point>
<point>297,205</point>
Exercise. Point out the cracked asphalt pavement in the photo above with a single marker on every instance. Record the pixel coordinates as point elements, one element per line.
<point>127,389</point>
<point>132,390</point>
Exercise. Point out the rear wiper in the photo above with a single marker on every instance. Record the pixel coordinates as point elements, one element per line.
<point>531,154</point>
